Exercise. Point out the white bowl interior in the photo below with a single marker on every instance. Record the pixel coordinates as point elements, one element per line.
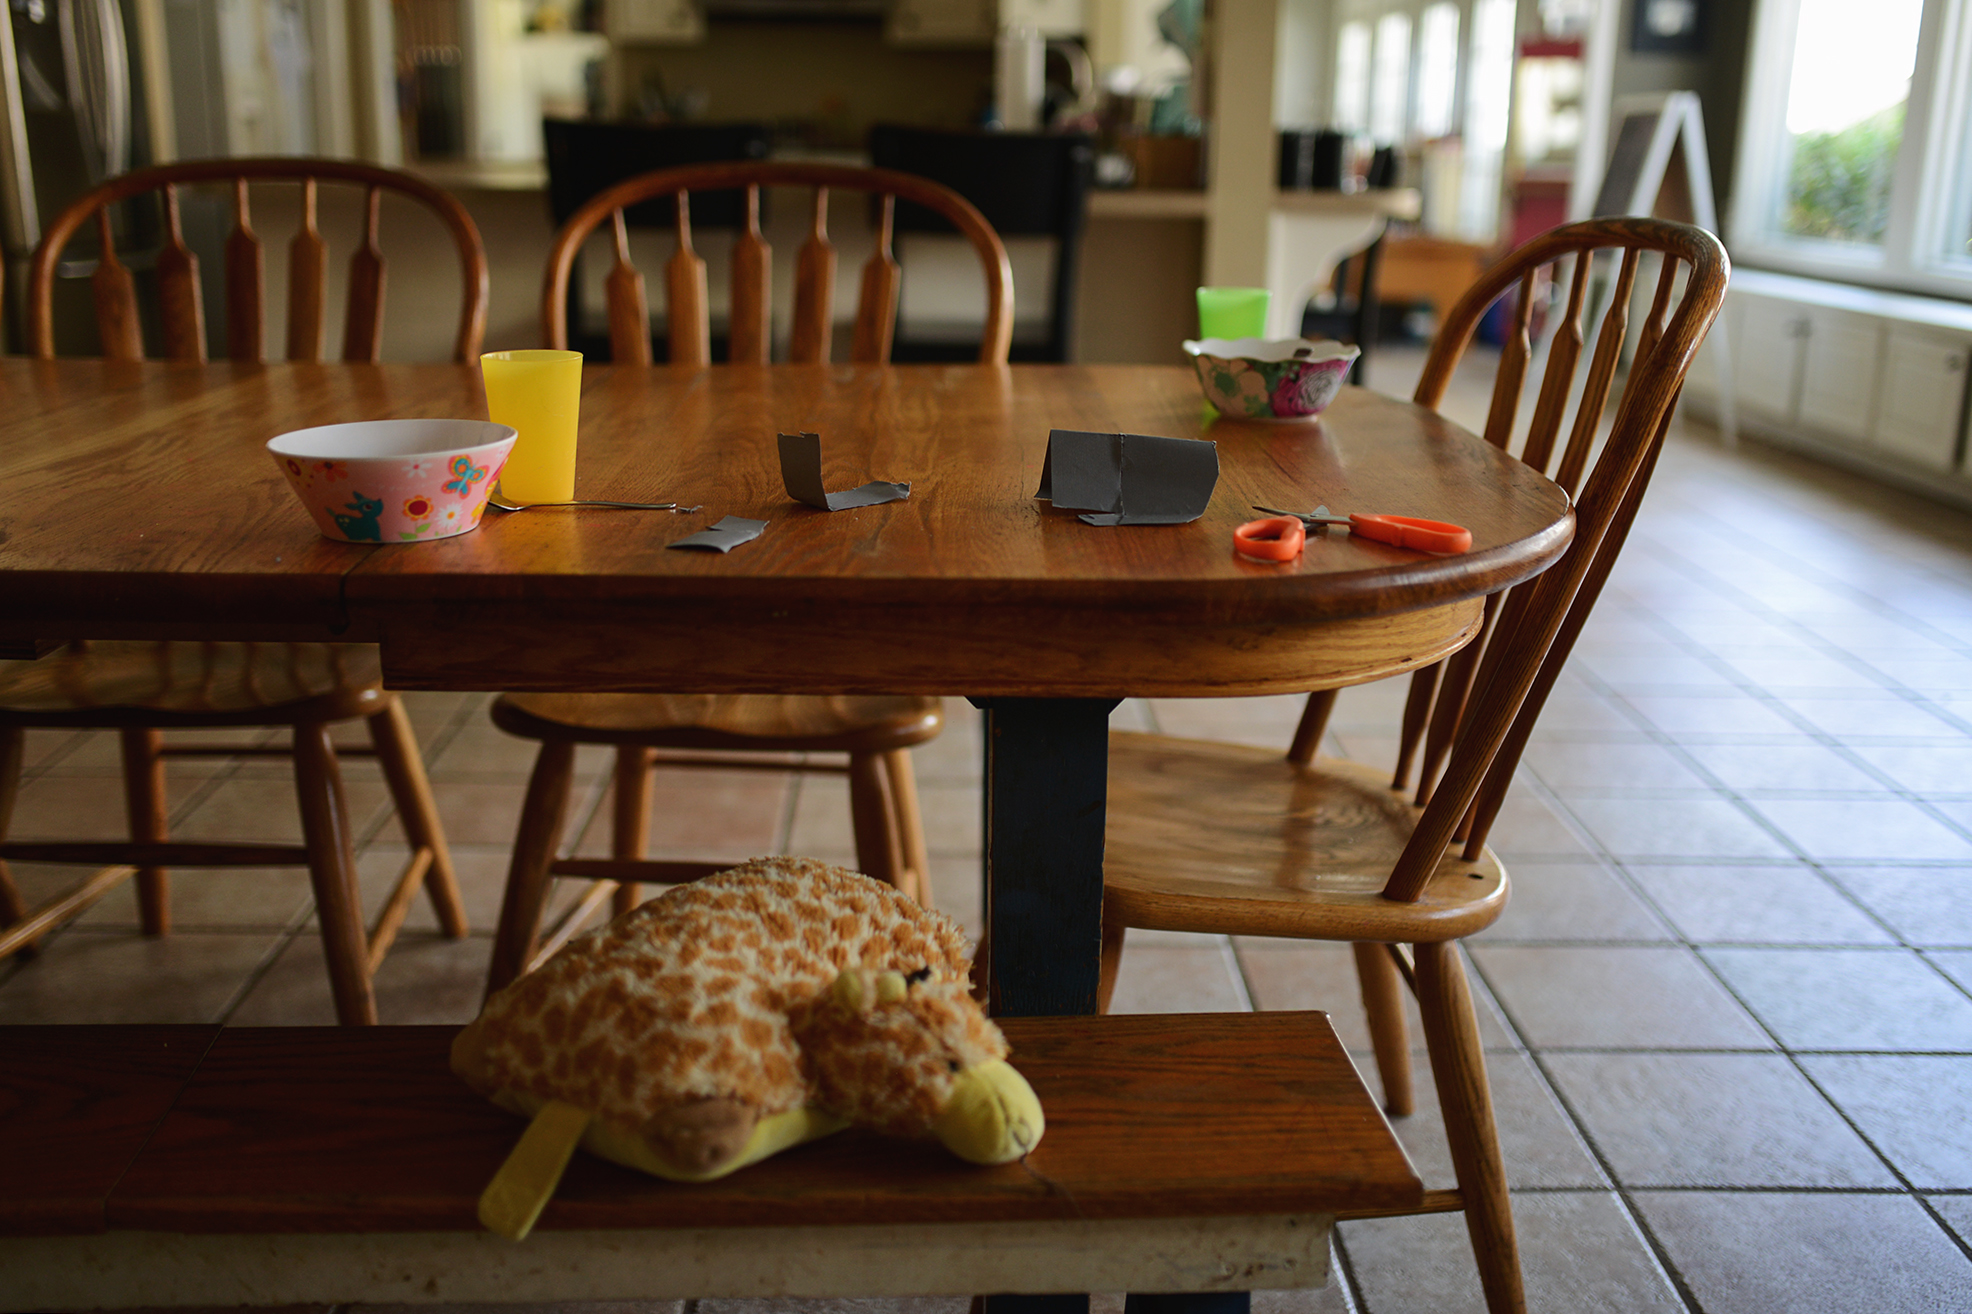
<point>1271,349</point>
<point>385,439</point>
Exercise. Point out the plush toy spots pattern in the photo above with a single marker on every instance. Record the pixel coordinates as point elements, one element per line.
<point>729,1018</point>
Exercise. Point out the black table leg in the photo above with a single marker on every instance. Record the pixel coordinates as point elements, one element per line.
<point>1047,788</point>
<point>1047,778</point>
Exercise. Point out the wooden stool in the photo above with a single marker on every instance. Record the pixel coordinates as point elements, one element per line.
<point>142,689</point>
<point>756,732</point>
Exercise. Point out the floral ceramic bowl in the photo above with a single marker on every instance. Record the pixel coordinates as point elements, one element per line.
<point>394,481</point>
<point>1258,379</point>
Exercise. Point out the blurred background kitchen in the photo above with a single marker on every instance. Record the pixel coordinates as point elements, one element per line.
<point>1231,141</point>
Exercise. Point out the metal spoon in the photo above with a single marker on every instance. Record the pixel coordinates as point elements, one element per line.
<point>499,503</point>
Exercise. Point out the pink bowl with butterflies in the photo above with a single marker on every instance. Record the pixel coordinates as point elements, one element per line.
<point>394,481</point>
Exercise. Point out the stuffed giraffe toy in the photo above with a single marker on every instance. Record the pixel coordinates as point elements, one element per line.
<point>731,1018</point>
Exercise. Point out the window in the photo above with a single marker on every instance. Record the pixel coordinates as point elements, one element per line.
<point>1391,91</point>
<point>1352,77</point>
<point>1437,69</point>
<point>1434,74</point>
<point>1488,111</point>
<point>1854,150</point>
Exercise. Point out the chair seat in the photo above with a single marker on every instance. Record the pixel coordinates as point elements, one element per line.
<point>756,722</point>
<point>1241,840</point>
<point>170,684</point>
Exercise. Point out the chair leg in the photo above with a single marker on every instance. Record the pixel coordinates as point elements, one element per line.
<point>143,804</point>
<point>1113,932</point>
<point>13,910</point>
<point>870,812</point>
<point>404,771</point>
<point>1383,1002</point>
<point>1313,725</point>
<point>332,871</point>
<point>629,830</point>
<point>1458,1067</point>
<point>909,822</point>
<point>541,818</point>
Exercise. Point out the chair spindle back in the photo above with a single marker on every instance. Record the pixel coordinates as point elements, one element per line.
<point>180,299</point>
<point>689,321</point>
<point>1472,714</point>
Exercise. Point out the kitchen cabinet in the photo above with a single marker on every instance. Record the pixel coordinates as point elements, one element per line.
<point>656,22</point>
<point>1923,396</point>
<point>976,22</point>
<point>942,22</point>
<point>1767,373</point>
<point>1876,378</point>
<point>1840,360</point>
<point>1051,18</point>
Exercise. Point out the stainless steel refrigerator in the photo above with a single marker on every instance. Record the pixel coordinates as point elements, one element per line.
<point>72,113</point>
<point>92,88</point>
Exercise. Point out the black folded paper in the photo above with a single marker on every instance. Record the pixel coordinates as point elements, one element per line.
<point>1129,478</point>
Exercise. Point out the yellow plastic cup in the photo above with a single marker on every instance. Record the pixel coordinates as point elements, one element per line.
<point>538,393</point>
<point>1233,312</point>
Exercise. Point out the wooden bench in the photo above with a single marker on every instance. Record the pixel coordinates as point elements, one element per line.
<point>149,1166</point>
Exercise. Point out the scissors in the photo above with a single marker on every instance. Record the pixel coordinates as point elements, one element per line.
<point>1399,531</point>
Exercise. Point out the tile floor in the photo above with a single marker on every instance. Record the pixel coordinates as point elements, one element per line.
<point>1729,1011</point>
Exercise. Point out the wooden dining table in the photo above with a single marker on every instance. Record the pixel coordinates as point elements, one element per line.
<point>137,501</point>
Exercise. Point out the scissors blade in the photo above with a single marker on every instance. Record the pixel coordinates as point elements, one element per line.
<point>1319,516</point>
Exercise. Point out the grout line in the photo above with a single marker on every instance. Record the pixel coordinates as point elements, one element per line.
<point>258,973</point>
<point>1236,970</point>
<point>67,749</point>
<point>1727,794</point>
<point>784,829</point>
<point>1340,1264</point>
<point>1793,1057</point>
<point>1655,1245</point>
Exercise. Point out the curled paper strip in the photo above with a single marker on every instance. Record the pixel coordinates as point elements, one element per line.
<point>1129,478</point>
<point>801,475</point>
<point>728,534</point>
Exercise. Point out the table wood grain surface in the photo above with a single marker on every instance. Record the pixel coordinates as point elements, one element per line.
<point>136,500</point>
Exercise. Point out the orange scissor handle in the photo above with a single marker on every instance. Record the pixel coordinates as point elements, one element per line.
<point>1277,538</point>
<point>1411,532</point>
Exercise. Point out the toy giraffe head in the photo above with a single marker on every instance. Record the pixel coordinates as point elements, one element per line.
<point>910,1054</point>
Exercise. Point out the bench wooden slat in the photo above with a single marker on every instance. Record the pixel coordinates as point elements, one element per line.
<point>328,1130</point>
<point>76,1105</point>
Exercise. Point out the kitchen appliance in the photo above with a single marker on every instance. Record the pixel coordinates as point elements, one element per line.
<point>70,117</point>
<point>93,88</point>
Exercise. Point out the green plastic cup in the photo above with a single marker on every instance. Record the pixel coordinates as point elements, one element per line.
<point>1232,312</point>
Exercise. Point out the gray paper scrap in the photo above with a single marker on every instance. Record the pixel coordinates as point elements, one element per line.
<point>728,534</point>
<point>801,475</point>
<point>1129,478</point>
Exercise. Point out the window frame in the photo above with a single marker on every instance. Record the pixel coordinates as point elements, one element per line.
<point>1930,183</point>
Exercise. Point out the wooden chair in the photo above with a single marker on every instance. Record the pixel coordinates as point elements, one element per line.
<point>180,303</point>
<point>589,156</point>
<point>143,689</point>
<point>1224,839</point>
<point>751,732</point>
<point>752,270</point>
